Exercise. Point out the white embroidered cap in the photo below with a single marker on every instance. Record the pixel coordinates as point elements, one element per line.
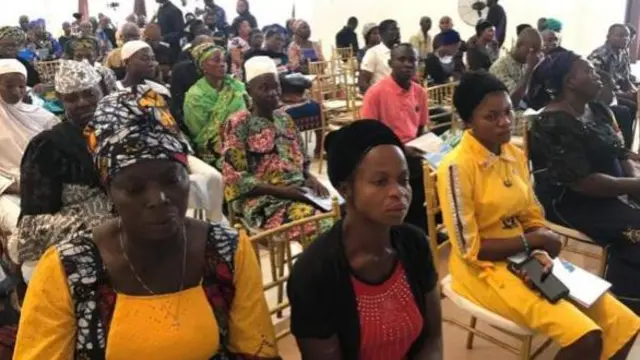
<point>132,47</point>
<point>259,65</point>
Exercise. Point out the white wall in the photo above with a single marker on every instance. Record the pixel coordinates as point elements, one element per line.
<point>585,21</point>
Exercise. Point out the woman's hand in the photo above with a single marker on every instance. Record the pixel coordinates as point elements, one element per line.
<point>292,193</point>
<point>546,240</point>
<point>547,266</point>
<point>316,186</point>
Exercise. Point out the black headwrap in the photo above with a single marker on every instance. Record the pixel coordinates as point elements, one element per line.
<point>348,146</point>
<point>473,87</point>
<point>548,78</point>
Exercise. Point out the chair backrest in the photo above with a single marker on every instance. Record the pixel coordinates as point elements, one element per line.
<point>432,207</point>
<point>342,53</point>
<point>278,245</point>
<point>441,97</point>
<point>47,70</point>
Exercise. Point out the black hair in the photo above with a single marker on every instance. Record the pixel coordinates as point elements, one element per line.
<point>520,28</point>
<point>385,25</point>
<point>352,21</point>
<point>235,26</point>
<point>255,31</point>
<point>481,26</point>
<point>618,26</point>
<point>547,79</point>
<point>401,45</point>
<point>271,33</point>
<point>632,30</point>
<point>472,89</point>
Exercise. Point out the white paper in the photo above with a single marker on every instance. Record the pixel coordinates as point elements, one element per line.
<point>428,142</point>
<point>584,287</point>
<point>324,203</point>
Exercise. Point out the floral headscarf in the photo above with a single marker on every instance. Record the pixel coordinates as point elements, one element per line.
<point>13,33</point>
<point>74,76</point>
<point>202,52</point>
<point>131,126</point>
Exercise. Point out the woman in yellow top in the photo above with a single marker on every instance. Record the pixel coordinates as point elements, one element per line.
<point>151,284</point>
<point>491,213</point>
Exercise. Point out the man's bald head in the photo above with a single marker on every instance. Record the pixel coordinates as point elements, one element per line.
<point>528,41</point>
<point>130,31</point>
<point>446,23</point>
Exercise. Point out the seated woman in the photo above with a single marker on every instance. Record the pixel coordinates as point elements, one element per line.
<point>265,167</point>
<point>60,190</point>
<point>80,49</point>
<point>161,285</point>
<point>306,113</point>
<point>302,51</point>
<point>238,46</point>
<point>491,213</point>
<point>444,64</point>
<point>210,101</point>
<point>584,178</point>
<point>19,123</point>
<point>381,295</point>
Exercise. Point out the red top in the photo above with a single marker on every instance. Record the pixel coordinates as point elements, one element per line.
<point>390,320</point>
<point>404,111</point>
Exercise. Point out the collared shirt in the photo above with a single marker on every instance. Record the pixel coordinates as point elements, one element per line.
<point>484,196</point>
<point>614,62</point>
<point>404,111</point>
<point>422,44</point>
<point>508,70</point>
<point>376,61</point>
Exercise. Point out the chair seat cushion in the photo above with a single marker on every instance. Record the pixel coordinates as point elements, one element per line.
<point>480,312</point>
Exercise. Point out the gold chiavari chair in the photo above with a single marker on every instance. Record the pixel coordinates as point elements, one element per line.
<point>343,53</point>
<point>522,335</point>
<point>281,258</point>
<point>335,94</point>
<point>440,97</point>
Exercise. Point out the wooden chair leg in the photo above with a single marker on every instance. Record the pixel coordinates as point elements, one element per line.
<point>525,349</point>
<point>603,262</point>
<point>281,265</point>
<point>470,334</point>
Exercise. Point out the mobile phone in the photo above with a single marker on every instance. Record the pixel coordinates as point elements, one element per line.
<point>550,287</point>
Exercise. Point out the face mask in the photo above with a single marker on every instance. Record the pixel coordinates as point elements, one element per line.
<point>446,59</point>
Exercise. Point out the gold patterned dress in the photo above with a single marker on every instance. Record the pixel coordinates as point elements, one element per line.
<point>262,151</point>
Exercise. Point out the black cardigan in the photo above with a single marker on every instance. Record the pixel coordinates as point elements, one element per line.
<point>321,294</point>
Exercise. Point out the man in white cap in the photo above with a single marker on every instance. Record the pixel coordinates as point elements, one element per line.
<point>19,123</point>
<point>129,32</point>
<point>267,190</point>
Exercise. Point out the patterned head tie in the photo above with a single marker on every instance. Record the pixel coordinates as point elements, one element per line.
<point>84,43</point>
<point>74,76</point>
<point>202,52</point>
<point>133,126</point>
<point>13,33</point>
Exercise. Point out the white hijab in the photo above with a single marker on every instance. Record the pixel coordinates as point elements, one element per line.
<point>19,123</point>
